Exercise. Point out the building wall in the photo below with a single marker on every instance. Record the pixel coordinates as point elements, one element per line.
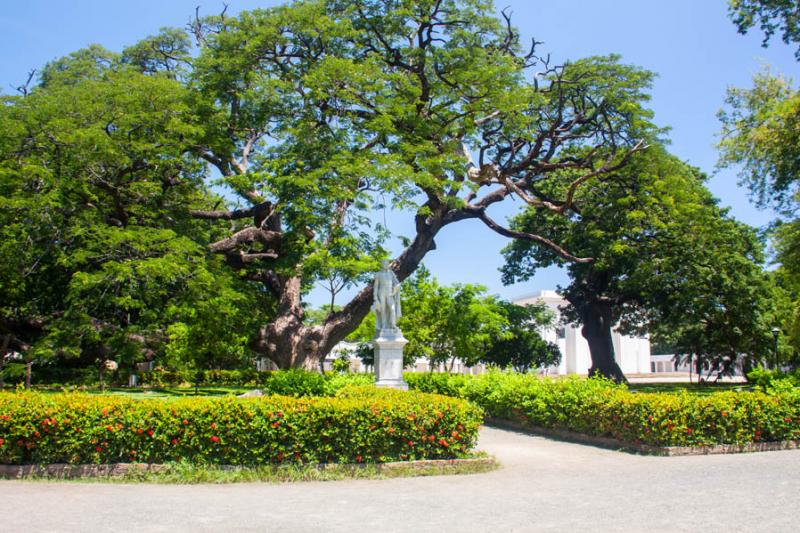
<point>631,353</point>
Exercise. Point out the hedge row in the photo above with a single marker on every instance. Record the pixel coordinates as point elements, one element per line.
<point>361,424</point>
<point>288,382</point>
<point>600,408</point>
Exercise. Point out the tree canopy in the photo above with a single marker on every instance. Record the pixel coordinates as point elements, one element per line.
<point>666,257</point>
<point>254,151</point>
<point>771,16</point>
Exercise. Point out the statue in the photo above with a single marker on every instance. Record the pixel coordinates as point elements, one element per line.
<point>388,343</point>
<point>386,291</point>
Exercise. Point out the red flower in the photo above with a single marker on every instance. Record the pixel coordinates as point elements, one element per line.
<point>104,411</point>
<point>689,431</point>
<point>411,443</point>
<point>214,438</point>
<point>185,422</point>
<point>37,434</point>
<point>670,427</point>
<point>99,449</point>
<point>213,425</point>
<point>276,424</point>
<point>359,458</point>
<point>443,442</point>
<point>2,442</point>
<point>110,428</point>
<point>724,413</point>
<point>174,442</point>
<point>140,431</point>
<point>150,432</point>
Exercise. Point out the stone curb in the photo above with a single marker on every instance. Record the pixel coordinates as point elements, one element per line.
<point>64,470</point>
<point>645,449</point>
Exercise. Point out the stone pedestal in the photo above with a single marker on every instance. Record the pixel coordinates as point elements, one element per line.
<point>389,359</point>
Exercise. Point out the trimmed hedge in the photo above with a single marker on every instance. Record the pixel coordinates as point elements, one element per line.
<point>599,407</point>
<point>286,382</point>
<point>362,424</point>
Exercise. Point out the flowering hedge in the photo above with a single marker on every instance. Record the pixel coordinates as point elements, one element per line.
<point>362,424</point>
<point>600,408</point>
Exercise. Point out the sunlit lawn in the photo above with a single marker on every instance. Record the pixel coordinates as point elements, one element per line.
<point>694,388</point>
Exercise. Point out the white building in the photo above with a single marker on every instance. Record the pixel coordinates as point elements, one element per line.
<point>632,353</point>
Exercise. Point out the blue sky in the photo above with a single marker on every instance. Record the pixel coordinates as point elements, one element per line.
<point>690,44</point>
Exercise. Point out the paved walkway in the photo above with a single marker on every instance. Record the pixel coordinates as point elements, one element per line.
<point>544,485</point>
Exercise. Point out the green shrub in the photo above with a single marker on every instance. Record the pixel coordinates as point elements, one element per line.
<point>437,382</point>
<point>601,408</point>
<point>361,424</point>
<point>768,380</point>
<point>295,383</point>
<point>334,382</point>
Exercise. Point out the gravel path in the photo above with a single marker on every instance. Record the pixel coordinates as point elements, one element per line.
<point>543,485</point>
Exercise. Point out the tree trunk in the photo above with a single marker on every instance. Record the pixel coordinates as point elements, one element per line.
<point>291,344</point>
<point>597,324</point>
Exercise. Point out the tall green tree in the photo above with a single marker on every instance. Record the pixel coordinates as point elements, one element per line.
<point>310,117</point>
<point>664,254</point>
<point>761,137</point>
<point>319,112</point>
<point>95,236</point>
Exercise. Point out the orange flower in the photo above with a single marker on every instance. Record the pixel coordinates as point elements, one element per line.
<point>213,425</point>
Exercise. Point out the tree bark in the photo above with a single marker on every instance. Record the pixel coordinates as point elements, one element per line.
<point>597,323</point>
<point>290,344</point>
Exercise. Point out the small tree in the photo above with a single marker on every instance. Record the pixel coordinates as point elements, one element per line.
<point>521,347</point>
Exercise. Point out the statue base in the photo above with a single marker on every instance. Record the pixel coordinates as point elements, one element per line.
<point>389,359</point>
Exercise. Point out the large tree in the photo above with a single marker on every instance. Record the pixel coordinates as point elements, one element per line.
<point>100,255</point>
<point>664,255</point>
<point>317,115</point>
<point>761,138</point>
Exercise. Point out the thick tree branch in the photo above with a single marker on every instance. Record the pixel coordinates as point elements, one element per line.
<point>247,236</point>
<point>506,232</point>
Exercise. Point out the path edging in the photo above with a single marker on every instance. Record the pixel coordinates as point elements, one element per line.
<point>66,470</point>
<point>646,449</point>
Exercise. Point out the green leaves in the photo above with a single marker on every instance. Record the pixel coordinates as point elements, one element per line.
<point>362,424</point>
<point>442,323</point>
<point>761,132</point>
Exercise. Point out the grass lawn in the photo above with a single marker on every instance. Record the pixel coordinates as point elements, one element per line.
<point>167,392</point>
<point>693,388</point>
